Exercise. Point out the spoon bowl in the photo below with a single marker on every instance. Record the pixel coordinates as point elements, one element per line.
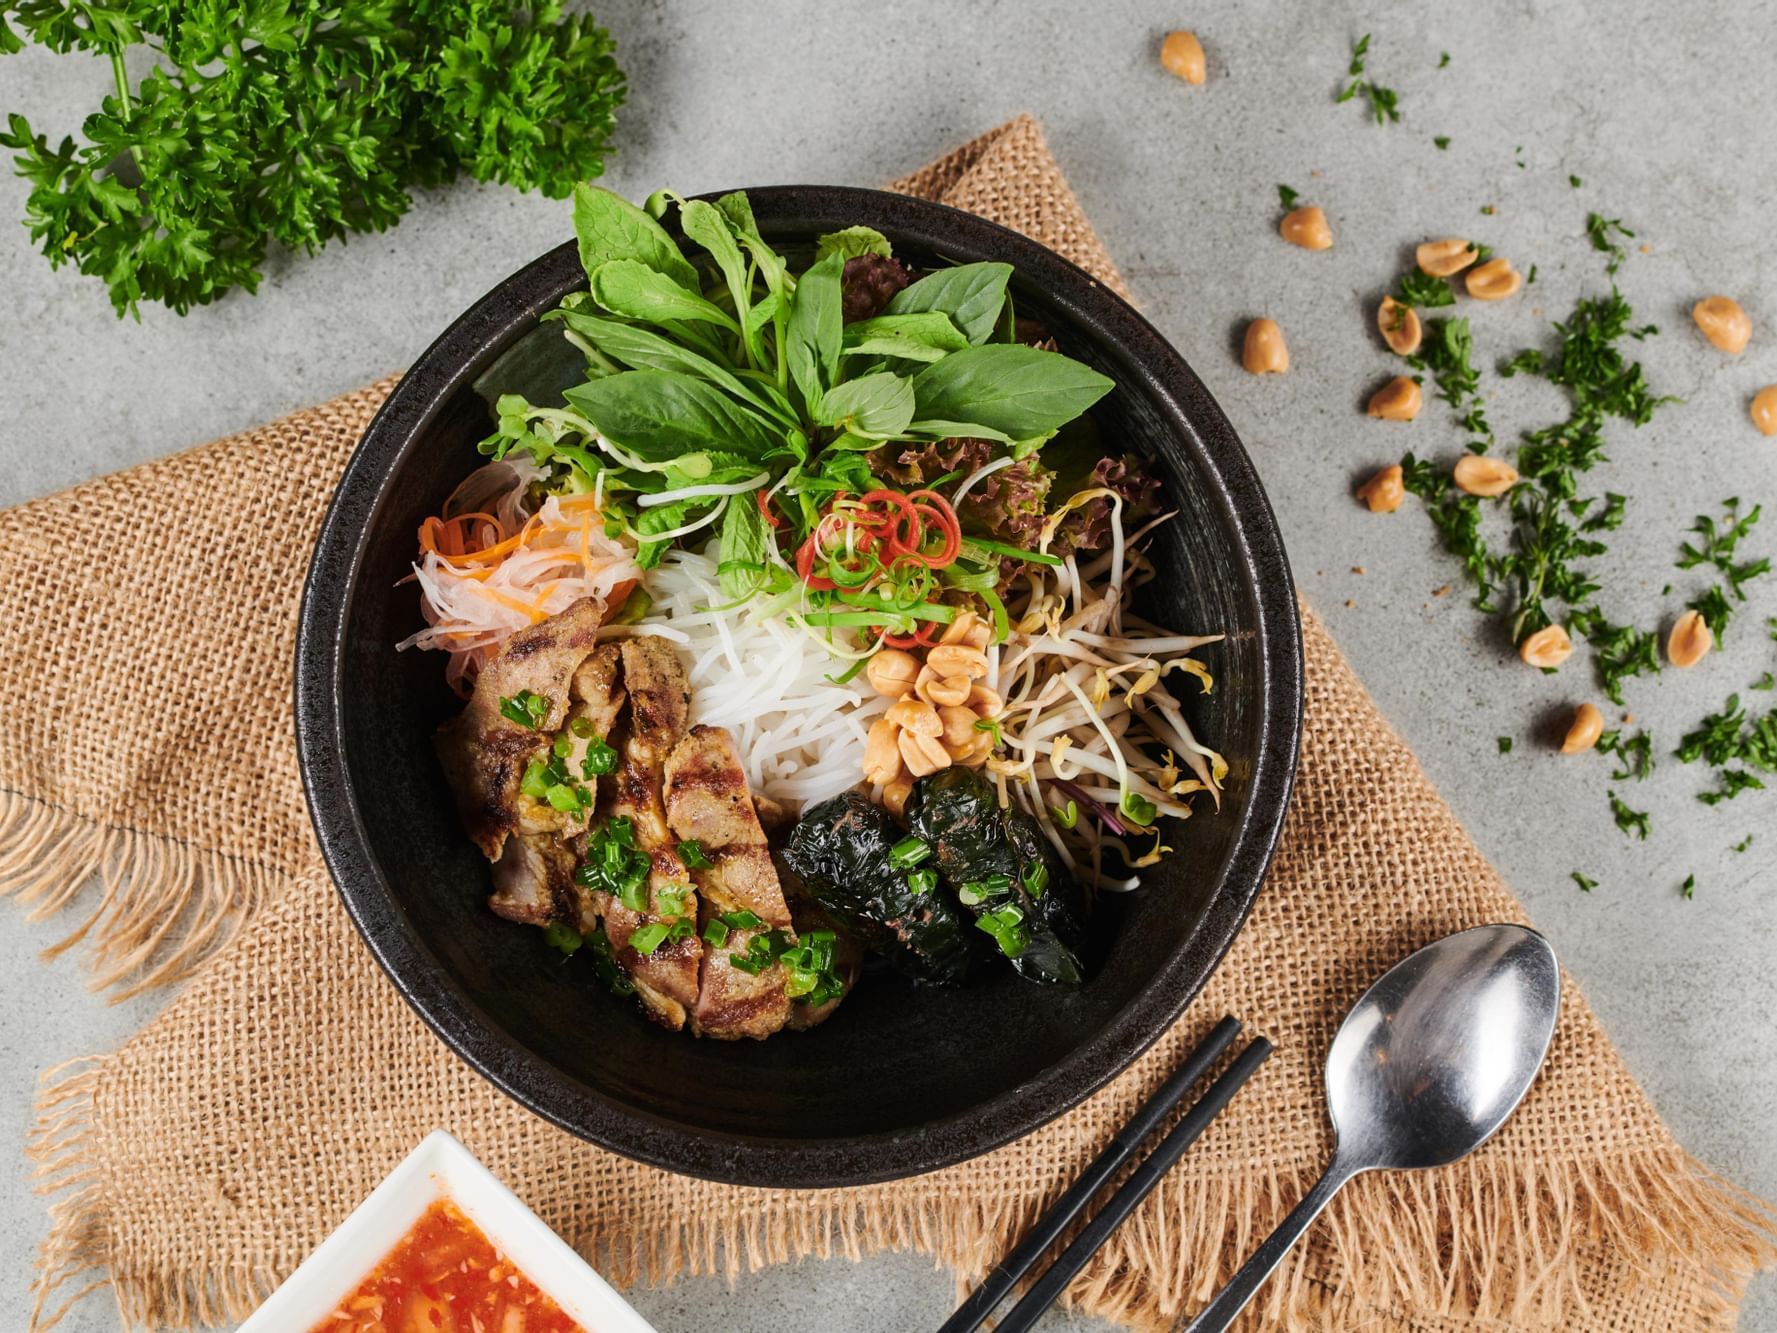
<point>1425,1068</point>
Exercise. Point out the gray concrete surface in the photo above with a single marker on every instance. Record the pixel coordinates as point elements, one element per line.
<point>1664,112</point>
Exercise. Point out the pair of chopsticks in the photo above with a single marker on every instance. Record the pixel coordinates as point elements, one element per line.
<point>1048,1228</point>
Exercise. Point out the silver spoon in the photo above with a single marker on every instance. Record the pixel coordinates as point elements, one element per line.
<point>1426,1066</point>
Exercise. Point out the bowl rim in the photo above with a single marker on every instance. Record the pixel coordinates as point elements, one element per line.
<point>452,363</point>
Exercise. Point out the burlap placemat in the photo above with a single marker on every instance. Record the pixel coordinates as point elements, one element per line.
<point>196,1166</point>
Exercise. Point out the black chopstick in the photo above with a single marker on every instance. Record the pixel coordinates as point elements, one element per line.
<point>1048,1228</point>
<point>1141,1182</point>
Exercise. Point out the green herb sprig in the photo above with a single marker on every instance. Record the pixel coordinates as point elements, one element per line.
<point>1384,102</point>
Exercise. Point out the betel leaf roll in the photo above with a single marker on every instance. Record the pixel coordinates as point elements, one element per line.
<point>843,851</point>
<point>1003,871</point>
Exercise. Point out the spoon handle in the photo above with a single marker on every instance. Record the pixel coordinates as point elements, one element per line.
<point>1233,1298</point>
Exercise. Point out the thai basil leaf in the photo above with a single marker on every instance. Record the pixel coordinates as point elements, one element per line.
<point>971,294</point>
<point>875,406</point>
<point>1017,391</point>
<point>630,288</point>
<point>709,227</point>
<point>607,226</point>
<point>939,429</point>
<point>816,330</point>
<point>852,242</point>
<point>926,336</point>
<point>660,414</point>
<point>742,561</point>
<point>644,349</point>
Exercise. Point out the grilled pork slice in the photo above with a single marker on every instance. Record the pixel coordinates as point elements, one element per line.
<point>659,710</point>
<point>534,880</point>
<point>485,754</point>
<point>707,801</point>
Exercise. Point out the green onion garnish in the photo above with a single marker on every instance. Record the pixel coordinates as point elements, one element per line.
<point>1004,925</point>
<point>742,920</point>
<point>715,933</point>
<point>1139,808</point>
<point>922,881</point>
<point>692,854</point>
<point>565,938</point>
<point>672,900</point>
<point>1035,879</point>
<point>600,759</point>
<point>526,708</point>
<point>907,853</point>
<point>648,938</point>
<point>582,728</point>
<point>563,747</point>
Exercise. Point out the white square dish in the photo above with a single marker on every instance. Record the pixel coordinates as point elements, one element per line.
<point>442,1167</point>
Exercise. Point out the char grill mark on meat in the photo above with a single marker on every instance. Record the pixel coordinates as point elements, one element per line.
<point>534,881</point>
<point>707,801</point>
<point>659,710</point>
<point>485,755</point>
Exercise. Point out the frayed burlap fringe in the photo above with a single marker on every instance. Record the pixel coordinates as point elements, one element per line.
<point>1454,1244</point>
<point>164,906</point>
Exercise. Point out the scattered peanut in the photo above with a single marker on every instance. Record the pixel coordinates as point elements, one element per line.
<point>922,754</point>
<point>1764,410</point>
<point>1399,325</point>
<point>1493,281</point>
<point>1690,640</point>
<point>892,672</point>
<point>1306,227</point>
<point>1442,259</point>
<point>967,629</point>
<point>1478,474</point>
<point>1384,491</point>
<point>915,715</point>
<point>959,727</point>
<point>1263,351</point>
<point>1182,54</point>
<point>1584,731</point>
<point>882,755</point>
<point>895,794</point>
<point>1398,400</point>
<point>1724,323</point>
<point>1547,648</point>
<point>956,659</point>
<point>985,701</point>
<point>941,691</point>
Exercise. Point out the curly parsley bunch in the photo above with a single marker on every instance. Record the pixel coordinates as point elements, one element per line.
<point>296,122</point>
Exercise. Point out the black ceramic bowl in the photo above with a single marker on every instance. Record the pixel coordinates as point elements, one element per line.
<point>898,1081</point>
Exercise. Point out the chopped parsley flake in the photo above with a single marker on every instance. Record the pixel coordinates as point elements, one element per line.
<point>1585,882</point>
<point>1690,887</point>
<point>1504,743</point>
<point>1629,821</point>
<point>1384,102</point>
<point>1287,197</point>
<point>1602,232</point>
<point>1575,181</point>
<point>1635,756</point>
<point>1442,141</point>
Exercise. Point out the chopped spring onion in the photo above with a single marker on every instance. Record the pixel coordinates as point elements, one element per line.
<point>565,938</point>
<point>907,853</point>
<point>600,760</point>
<point>715,933</point>
<point>922,881</point>
<point>692,854</point>
<point>1005,925</point>
<point>526,708</point>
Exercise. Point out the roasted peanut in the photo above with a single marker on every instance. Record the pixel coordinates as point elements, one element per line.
<point>1583,733</point>
<point>961,629</point>
<point>959,727</point>
<point>895,794</point>
<point>1306,227</point>
<point>1441,259</point>
<point>1478,474</point>
<point>1384,491</point>
<point>915,715</point>
<point>1493,281</point>
<point>956,659</point>
<point>986,702</point>
<point>1764,410</point>
<point>1263,351</point>
<point>923,754</point>
<point>882,755</point>
<point>978,752</point>
<point>1399,325</point>
<point>1182,54</point>
<point>1690,640</point>
<point>941,691</point>
<point>892,672</point>
<point>1398,400</point>
<point>1724,323</point>
<point>1547,648</point>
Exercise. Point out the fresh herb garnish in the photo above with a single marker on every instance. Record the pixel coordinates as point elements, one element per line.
<point>645,939</point>
<point>1732,737</point>
<point>922,881</point>
<point>1716,547</point>
<point>691,852</point>
<point>294,125</point>
<point>1443,59</point>
<point>1743,844</point>
<point>1689,888</point>
<point>1602,232</point>
<point>615,865</point>
<point>907,853</point>
<point>1629,821</point>
<point>526,708</point>
<point>599,760</point>
<point>1575,181</point>
<point>604,964</point>
<point>1287,197</point>
<point>1384,102</point>
<point>1448,353</point>
<point>1585,882</point>
<point>1005,925</point>
<point>1442,141</point>
<point>1423,291</point>
<point>1635,754</point>
<point>1504,743</point>
<point>565,938</point>
<point>1765,682</point>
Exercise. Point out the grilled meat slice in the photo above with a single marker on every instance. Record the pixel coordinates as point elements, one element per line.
<point>707,802</point>
<point>659,708</point>
<point>485,754</point>
<point>534,881</point>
